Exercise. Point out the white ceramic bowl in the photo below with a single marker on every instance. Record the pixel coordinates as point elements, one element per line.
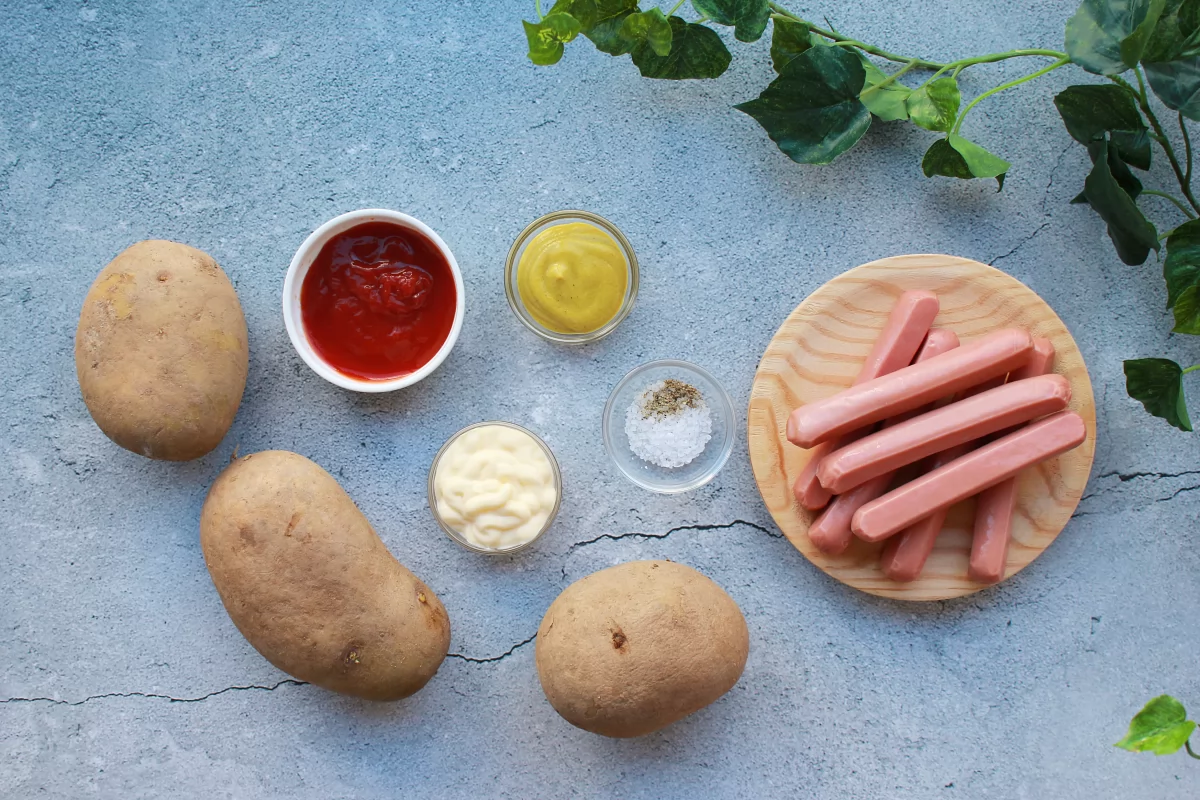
<point>295,279</point>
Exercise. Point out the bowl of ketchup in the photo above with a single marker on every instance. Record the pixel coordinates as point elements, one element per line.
<point>373,300</point>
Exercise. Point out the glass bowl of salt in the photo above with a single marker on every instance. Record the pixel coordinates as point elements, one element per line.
<point>668,426</point>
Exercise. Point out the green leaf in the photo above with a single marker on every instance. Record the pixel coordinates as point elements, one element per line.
<point>1132,234</point>
<point>1181,271</point>
<point>888,103</point>
<point>1187,311</point>
<point>546,38</point>
<point>942,159</point>
<point>696,52</point>
<point>1133,147</point>
<point>788,40</point>
<point>1134,45</point>
<point>981,163</point>
<point>934,106</point>
<point>1119,169</point>
<point>605,32</point>
<point>1157,383</point>
<point>1172,57</point>
<point>748,17</point>
<point>1177,31</point>
<point>1108,37</point>
<point>1177,84</point>
<point>956,157</point>
<point>812,110</point>
<point>1162,726</point>
<point>651,27</point>
<point>1120,172</point>
<point>1093,110</point>
<point>583,10</point>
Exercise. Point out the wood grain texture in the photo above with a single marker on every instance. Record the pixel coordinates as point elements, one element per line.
<point>818,351</point>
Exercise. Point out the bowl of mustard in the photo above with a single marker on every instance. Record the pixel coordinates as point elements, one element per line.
<point>571,277</point>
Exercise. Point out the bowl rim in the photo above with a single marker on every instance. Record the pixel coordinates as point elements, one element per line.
<point>298,269</point>
<point>457,537</point>
<point>632,273</point>
<point>727,408</point>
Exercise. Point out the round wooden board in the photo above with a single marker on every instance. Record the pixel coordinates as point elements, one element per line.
<point>818,351</point>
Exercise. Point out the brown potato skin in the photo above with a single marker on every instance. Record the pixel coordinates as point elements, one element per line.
<point>308,582</point>
<point>161,351</point>
<point>632,648</point>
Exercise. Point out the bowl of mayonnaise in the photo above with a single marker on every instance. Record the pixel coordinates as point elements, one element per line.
<point>495,487</point>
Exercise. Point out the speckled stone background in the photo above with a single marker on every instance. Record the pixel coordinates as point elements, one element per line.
<point>239,127</point>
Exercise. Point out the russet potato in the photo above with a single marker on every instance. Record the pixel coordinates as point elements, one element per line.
<point>632,648</point>
<point>161,351</point>
<point>312,587</point>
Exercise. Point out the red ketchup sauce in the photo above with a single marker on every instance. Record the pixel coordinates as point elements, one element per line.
<point>378,301</point>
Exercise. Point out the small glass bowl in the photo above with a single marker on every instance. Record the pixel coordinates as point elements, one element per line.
<point>458,537</point>
<point>514,258</point>
<point>650,476</point>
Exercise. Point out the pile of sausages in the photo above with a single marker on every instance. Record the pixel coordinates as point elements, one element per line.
<point>948,407</point>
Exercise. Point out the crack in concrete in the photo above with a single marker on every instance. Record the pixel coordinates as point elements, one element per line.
<point>615,537</point>
<point>1045,197</point>
<point>697,527</point>
<point>1176,493</point>
<point>493,659</point>
<point>1126,477</point>
<point>1053,172</point>
<point>460,656</point>
<point>1020,244</point>
<point>201,698</point>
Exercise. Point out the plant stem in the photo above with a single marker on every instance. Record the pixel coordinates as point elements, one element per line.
<point>1007,54</point>
<point>846,41</point>
<point>1187,146</point>
<point>538,5</point>
<point>675,7</point>
<point>1178,203</point>
<point>779,12</point>
<point>1188,744</point>
<point>889,80</point>
<point>934,77</point>
<point>1143,102</point>
<point>958,123</point>
<point>963,63</point>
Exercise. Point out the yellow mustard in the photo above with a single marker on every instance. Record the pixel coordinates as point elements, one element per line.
<point>572,278</point>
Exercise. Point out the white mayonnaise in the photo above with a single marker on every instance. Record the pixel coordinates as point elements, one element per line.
<point>495,486</point>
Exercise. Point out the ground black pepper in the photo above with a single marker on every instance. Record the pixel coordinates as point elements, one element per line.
<point>671,399</point>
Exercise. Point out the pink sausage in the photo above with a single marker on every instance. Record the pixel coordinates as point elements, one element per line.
<point>1040,361</point>
<point>993,529</point>
<point>905,554</point>
<point>831,532</point>
<point>994,507</point>
<point>968,475</point>
<point>808,490</point>
<point>909,388</point>
<point>906,326</point>
<point>958,423</point>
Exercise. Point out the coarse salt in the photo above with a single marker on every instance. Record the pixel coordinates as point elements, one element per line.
<point>672,439</point>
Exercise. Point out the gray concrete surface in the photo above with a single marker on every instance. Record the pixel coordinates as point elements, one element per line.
<point>239,127</point>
